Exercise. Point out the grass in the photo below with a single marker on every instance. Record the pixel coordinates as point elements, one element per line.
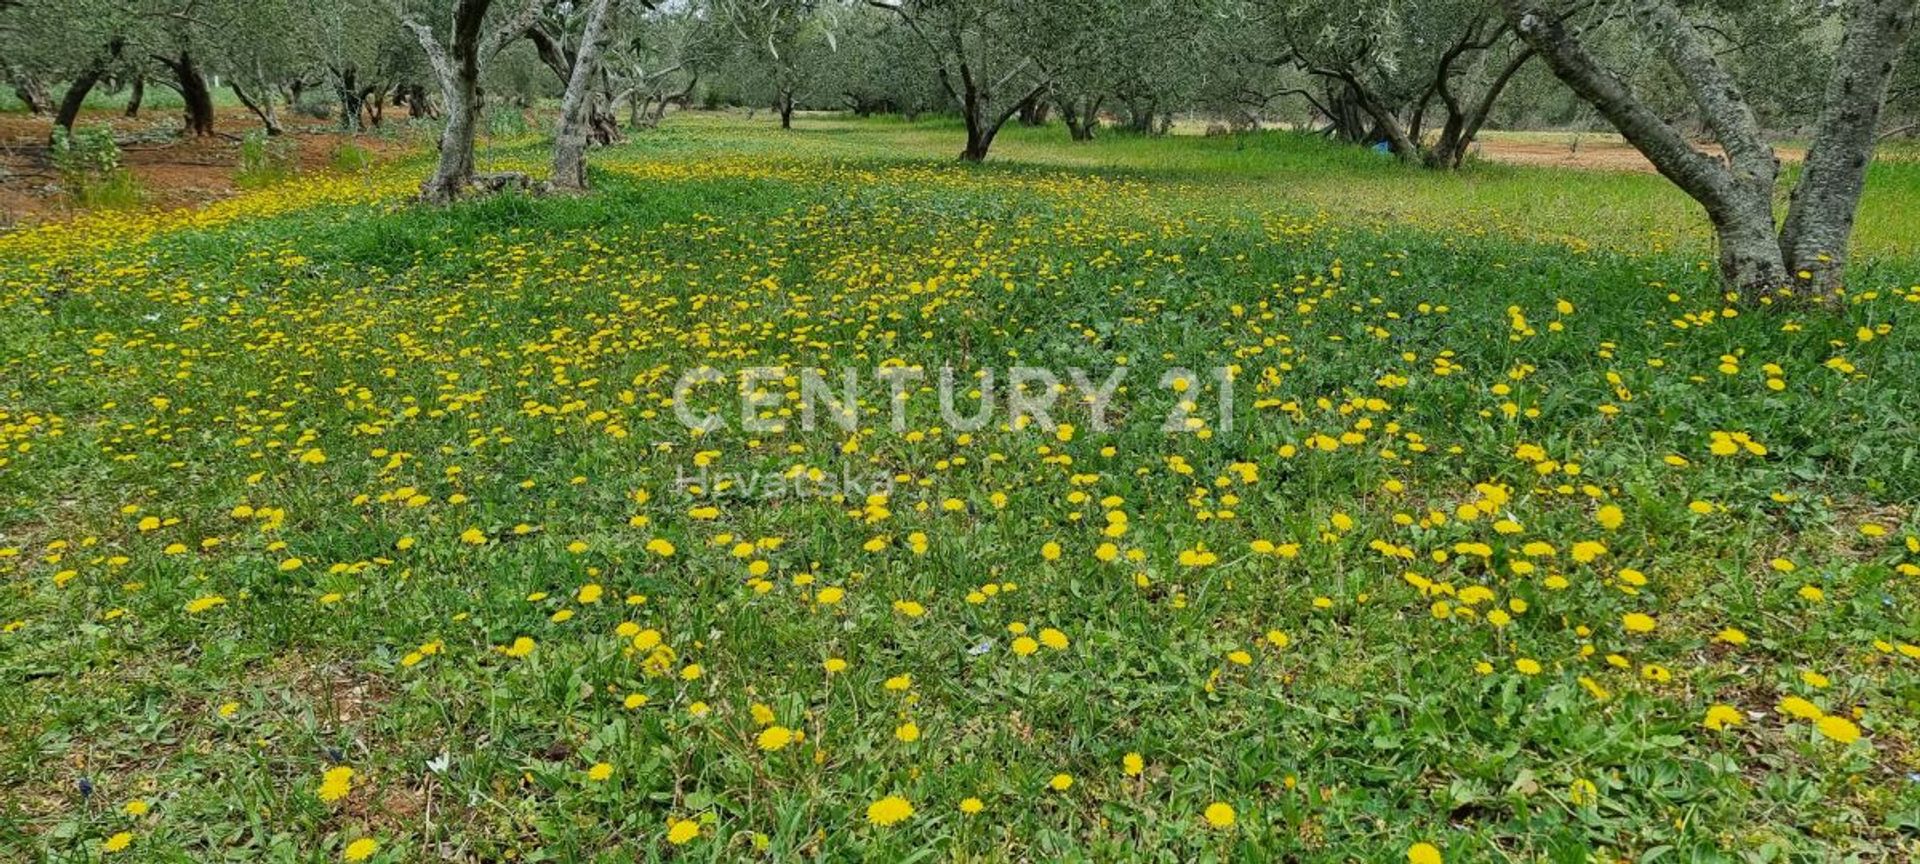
<point>315,479</point>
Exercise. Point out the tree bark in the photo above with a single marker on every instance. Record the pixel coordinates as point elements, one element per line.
<point>576,106</point>
<point>1739,205</point>
<point>82,83</point>
<point>261,108</point>
<point>457,66</point>
<point>1033,112</point>
<point>136,96</point>
<point>31,91</point>
<point>1820,217</point>
<point>346,86</point>
<point>197,99</point>
<point>1081,115</point>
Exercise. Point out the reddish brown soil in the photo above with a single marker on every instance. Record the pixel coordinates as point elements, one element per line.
<point>172,171</point>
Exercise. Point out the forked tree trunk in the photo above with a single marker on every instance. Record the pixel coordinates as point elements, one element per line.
<point>459,72</point>
<point>576,106</point>
<point>1737,193</point>
<point>457,66</point>
<point>1080,114</point>
<point>196,98</point>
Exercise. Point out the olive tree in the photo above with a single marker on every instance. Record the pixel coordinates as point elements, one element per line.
<point>1737,189</point>
<point>982,54</point>
<point>457,64</point>
<point>1386,67</point>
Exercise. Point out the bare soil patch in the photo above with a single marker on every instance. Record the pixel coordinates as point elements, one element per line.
<point>172,170</point>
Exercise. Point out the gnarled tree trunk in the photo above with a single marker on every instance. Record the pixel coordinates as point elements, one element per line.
<point>346,86</point>
<point>1080,114</point>
<point>457,66</point>
<point>1737,193</point>
<point>576,106</point>
<point>82,83</point>
<point>1820,216</point>
<point>31,91</point>
<point>197,99</point>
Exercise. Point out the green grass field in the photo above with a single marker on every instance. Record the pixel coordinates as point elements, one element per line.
<point>335,528</point>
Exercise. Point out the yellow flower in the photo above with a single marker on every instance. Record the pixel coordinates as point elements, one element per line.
<point>1025,646</point>
<point>1423,853</point>
<point>1794,706</point>
<point>599,772</point>
<point>336,783</point>
<point>890,810</point>
<point>1721,716</point>
<point>1638,622</point>
<point>971,806</point>
<point>1220,815</point>
<point>135,807</point>
<point>908,732</point>
<point>117,842</point>
<point>774,738</point>
<point>1133,764</point>
<point>1053,639</point>
<point>360,850</point>
<point>682,831</point>
<point>1527,666</point>
<point>202,604</point>
<point>1838,728</point>
<point>1060,782</point>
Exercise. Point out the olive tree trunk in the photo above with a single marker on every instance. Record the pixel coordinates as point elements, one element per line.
<point>1820,217</point>
<point>195,96</point>
<point>1737,193</point>
<point>458,67</point>
<point>82,84</point>
<point>576,106</point>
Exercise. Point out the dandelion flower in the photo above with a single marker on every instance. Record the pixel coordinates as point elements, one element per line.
<point>336,783</point>
<point>890,810</point>
<point>1838,728</point>
<point>774,738</point>
<point>1220,815</point>
<point>1721,716</point>
<point>360,850</point>
<point>682,831</point>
